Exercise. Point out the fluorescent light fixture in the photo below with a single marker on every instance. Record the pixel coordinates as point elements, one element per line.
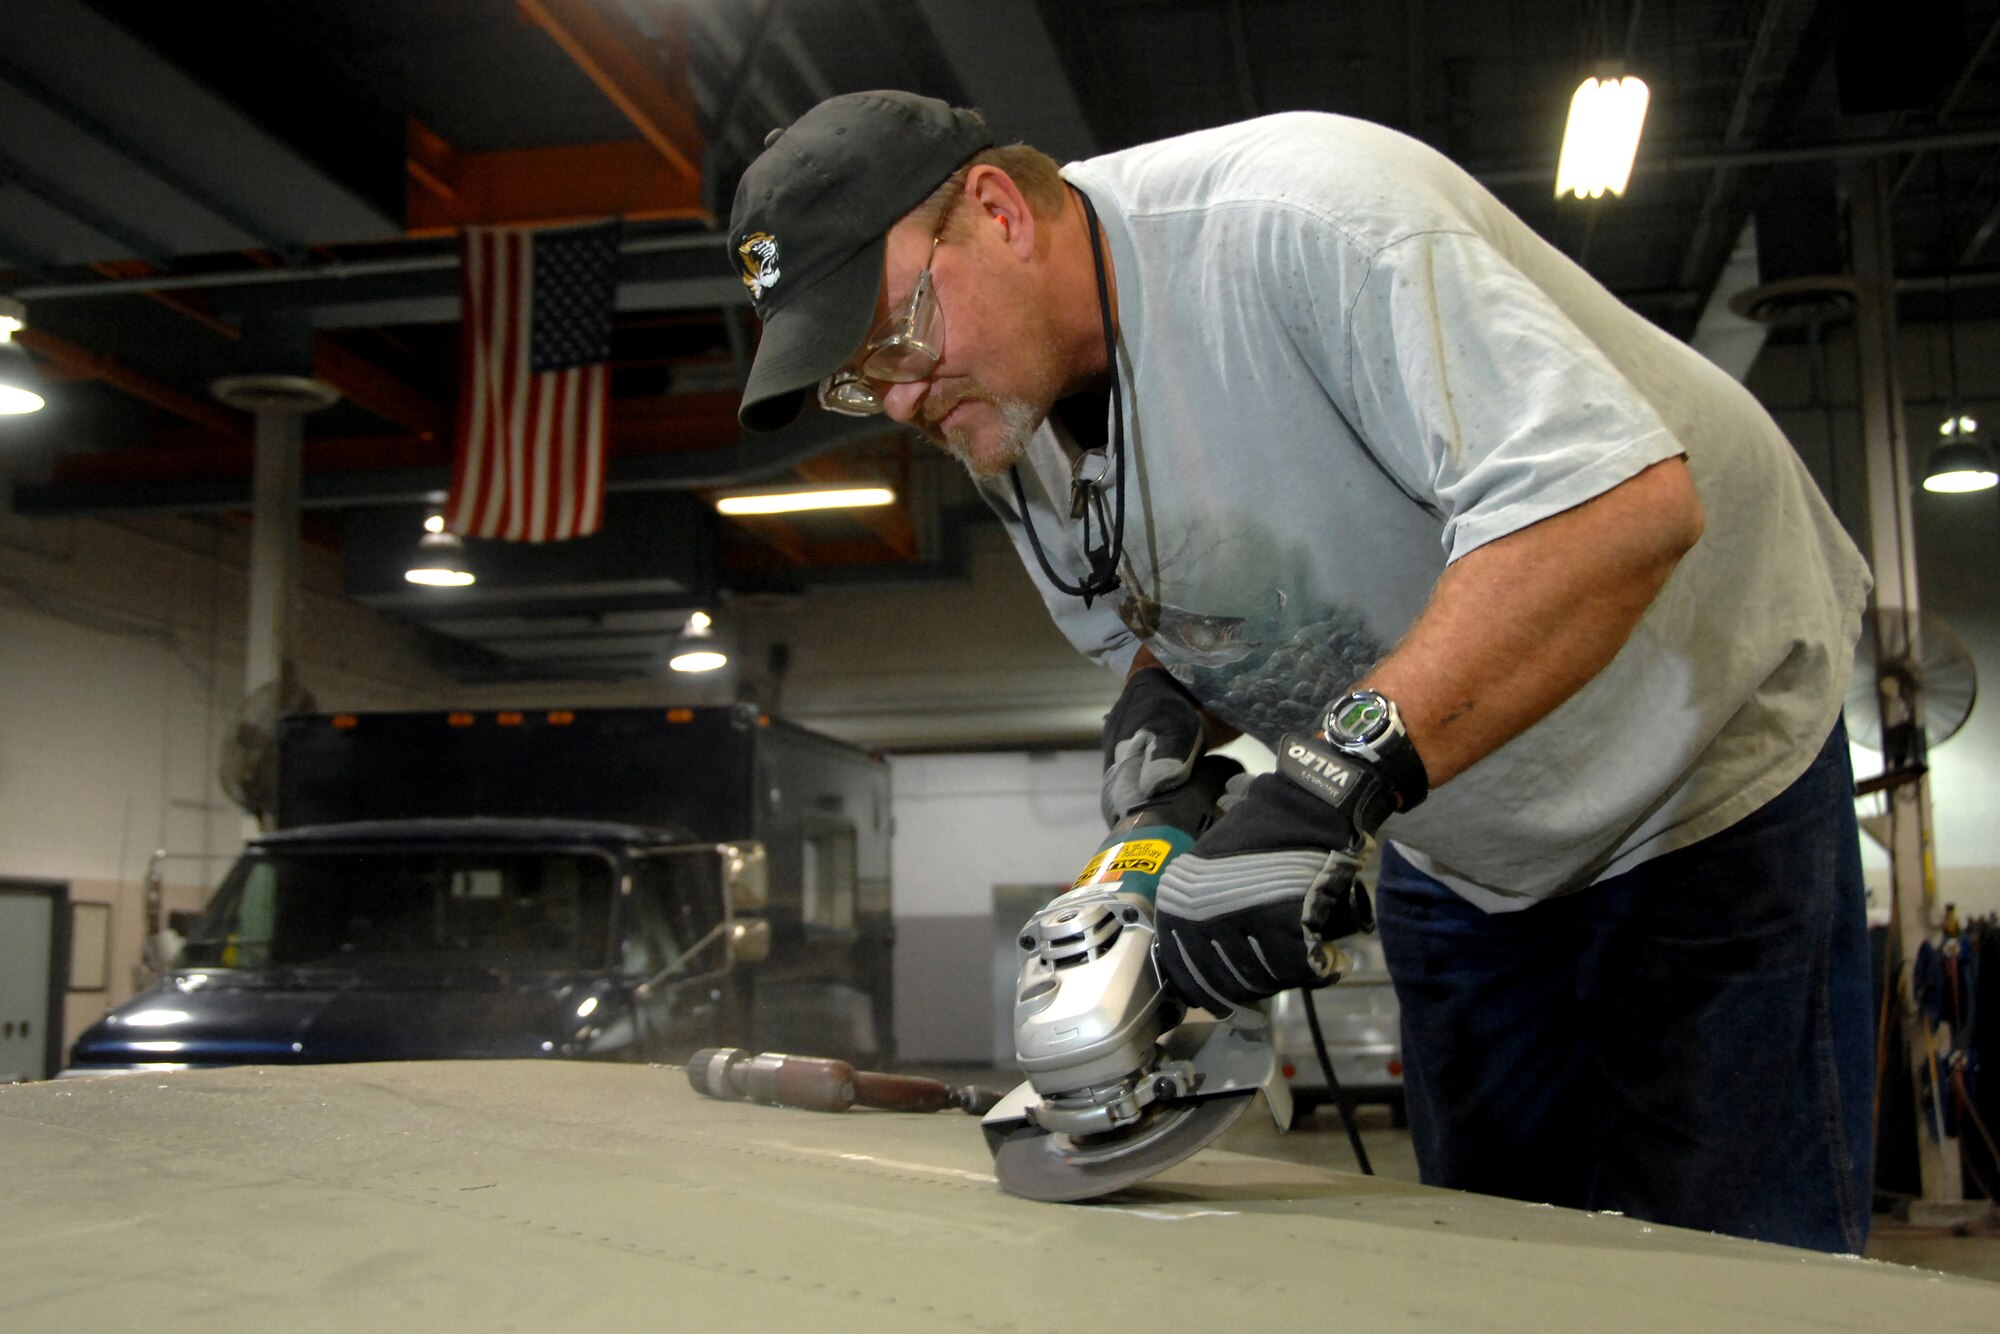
<point>1960,466</point>
<point>1602,137</point>
<point>18,380</point>
<point>440,558</point>
<point>696,648</point>
<point>792,499</point>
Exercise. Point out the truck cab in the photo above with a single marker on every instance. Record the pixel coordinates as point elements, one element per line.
<point>454,938</point>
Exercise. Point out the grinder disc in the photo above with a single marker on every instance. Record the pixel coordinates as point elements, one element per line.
<point>1037,1164</point>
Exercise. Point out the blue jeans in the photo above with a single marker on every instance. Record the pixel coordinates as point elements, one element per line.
<point>1688,1042</point>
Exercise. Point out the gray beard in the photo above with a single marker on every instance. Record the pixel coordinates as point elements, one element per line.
<point>1019,417</point>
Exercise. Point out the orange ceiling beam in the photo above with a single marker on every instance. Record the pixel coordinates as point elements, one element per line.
<point>636,426</point>
<point>189,304</point>
<point>377,390</point>
<point>361,380</point>
<point>610,49</point>
<point>449,189</point>
<point>78,361</point>
<point>779,538</point>
<point>214,459</point>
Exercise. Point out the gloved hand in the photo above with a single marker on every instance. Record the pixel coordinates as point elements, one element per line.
<point>1152,738</point>
<point>1247,911</point>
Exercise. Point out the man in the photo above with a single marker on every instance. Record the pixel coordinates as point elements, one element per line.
<point>1305,433</point>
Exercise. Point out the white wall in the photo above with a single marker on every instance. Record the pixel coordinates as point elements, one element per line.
<point>121,672</point>
<point>966,825</point>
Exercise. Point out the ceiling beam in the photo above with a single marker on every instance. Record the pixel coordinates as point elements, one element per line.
<point>357,378</point>
<point>1696,258</point>
<point>375,389</point>
<point>449,189</point>
<point>710,27</point>
<point>1002,54</point>
<point>682,270</point>
<point>1980,236</point>
<point>79,361</point>
<point>401,470</point>
<point>606,45</point>
<point>779,536</point>
<point>193,307</point>
<point>28,86</point>
<point>1949,106</point>
<point>110,228</point>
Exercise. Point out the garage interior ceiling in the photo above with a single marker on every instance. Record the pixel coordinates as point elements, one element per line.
<point>168,172</point>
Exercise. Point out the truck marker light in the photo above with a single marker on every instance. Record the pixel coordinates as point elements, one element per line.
<point>508,719</point>
<point>680,715</point>
<point>345,722</point>
<point>561,718</point>
<point>458,719</point>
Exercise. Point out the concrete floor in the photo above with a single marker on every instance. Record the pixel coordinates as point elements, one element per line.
<point>1321,1141</point>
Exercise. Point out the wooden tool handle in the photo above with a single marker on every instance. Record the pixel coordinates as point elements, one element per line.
<point>901,1093</point>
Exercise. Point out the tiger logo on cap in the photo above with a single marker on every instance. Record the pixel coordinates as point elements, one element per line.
<point>759,256</point>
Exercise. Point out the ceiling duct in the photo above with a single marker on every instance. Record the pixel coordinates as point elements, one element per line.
<point>1802,274</point>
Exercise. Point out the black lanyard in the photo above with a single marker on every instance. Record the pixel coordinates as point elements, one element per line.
<point>1087,495</point>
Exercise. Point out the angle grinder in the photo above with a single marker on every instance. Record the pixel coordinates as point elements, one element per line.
<point>1123,1080</point>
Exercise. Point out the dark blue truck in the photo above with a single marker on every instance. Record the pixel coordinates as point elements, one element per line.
<point>624,884</point>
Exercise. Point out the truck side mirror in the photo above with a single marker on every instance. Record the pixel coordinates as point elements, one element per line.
<point>750,940</point>
<point>745,876</point>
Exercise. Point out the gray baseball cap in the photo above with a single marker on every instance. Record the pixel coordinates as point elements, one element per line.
<point>810,225</point>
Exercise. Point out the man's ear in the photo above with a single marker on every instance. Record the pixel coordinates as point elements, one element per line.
<point>999,204</point>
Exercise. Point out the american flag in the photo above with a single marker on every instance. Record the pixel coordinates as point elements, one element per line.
<point>529,465</point>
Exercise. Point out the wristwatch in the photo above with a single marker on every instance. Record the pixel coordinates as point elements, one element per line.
<point>1366,725</point>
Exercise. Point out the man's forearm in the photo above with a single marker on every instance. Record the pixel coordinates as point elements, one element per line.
<point>1518,626</point>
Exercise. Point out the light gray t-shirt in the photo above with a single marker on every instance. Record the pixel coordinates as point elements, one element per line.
<point>1345,365</point>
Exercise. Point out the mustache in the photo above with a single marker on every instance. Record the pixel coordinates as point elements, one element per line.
<point>940,403</point>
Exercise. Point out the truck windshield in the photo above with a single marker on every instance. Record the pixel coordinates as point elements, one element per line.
<point>388,909</point>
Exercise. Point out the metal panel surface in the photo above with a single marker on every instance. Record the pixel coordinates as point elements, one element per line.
<point>525,1195</point>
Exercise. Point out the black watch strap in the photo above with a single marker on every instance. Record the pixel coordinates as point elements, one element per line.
<point>1340,780</point>
<point>1404,769</point>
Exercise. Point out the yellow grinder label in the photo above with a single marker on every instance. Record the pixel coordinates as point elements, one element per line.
<point>1143,856</point>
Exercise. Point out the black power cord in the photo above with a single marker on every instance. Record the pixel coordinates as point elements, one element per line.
<point>1341,1097</point>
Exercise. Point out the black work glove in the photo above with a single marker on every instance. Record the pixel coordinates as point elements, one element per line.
<point>1252,908</point>
<point>1152,738</point>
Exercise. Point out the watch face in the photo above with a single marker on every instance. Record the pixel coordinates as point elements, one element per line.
<point>1357,720</point>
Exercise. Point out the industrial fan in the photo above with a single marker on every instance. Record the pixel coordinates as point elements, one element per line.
<point>1941,670</point>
